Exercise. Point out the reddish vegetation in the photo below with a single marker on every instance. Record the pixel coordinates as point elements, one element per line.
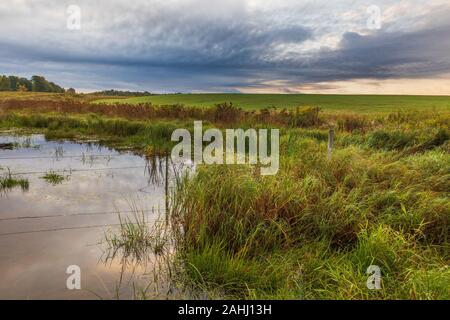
<point>221,113</point>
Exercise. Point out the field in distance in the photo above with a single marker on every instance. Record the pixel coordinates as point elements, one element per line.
<point>355,103</point>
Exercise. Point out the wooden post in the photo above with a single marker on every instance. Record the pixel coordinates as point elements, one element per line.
<point>330,143</point>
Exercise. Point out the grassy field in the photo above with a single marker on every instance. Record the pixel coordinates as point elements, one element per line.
<point>310,231</point>
<point>354,103</point>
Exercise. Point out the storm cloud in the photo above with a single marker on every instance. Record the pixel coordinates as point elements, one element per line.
<point>197,45</point>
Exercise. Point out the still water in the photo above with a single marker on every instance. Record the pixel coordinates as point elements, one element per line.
<point>49,227</point>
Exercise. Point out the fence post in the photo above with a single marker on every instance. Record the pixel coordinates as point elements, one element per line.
<point>330,142</point>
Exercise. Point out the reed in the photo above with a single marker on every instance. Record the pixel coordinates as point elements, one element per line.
<point>311,230</point>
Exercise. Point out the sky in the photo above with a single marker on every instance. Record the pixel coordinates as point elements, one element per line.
<point>250,46</point>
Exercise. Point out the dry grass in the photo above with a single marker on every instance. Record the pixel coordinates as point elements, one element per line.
<point>220,114</point>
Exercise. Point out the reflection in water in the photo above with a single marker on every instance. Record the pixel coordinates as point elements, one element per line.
<point>49,227</point>
<point>141,249</point>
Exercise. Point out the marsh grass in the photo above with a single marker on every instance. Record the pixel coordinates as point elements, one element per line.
<point>309,232</point>
<point>9,182</point>
<point>143,244</point>
<point>136,238</point>
<point>54,178</point>
<point>222,113</point>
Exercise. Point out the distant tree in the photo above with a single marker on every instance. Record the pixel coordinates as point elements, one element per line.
<point>39,84</point>
<point>36,84</point>
<point>113,92</point>
<point>25,83</point>
<point>53,87</point>
<point>13,83</point>
<point>22,88</point>
<point>4,83</point>
<point>71,91</point>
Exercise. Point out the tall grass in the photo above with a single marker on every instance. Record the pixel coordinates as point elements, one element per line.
<point>311,230</point>
<point>223,113</point>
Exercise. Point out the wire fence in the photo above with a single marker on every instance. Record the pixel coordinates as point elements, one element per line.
<point>75,214</point>
<point>69,170</point>
<point>59,229</point>
<point>56,157</point>
<point>68,215</point>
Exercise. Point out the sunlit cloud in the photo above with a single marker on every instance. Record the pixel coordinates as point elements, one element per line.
<point>199,45</point>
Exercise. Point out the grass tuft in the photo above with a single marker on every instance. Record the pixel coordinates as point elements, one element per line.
<point>8,182</point>
<point>54,178</point>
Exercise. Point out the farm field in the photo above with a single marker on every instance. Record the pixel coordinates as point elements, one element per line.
<point>308,232</point>
<point>353,103</point>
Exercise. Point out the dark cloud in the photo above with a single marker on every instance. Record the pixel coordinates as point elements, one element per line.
<point>179,48</point>
<point>386,55</point>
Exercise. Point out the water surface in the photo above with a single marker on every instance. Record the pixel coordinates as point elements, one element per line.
<point>48,227</point>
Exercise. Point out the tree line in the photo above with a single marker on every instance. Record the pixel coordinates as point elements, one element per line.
<point>113,92</point>
<point>35,84</point>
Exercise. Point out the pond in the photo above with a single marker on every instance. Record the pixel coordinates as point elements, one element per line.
<point>52,224</point>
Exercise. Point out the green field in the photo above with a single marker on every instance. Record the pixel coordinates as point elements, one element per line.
<point>356,103</point>
<point>308,232</point>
